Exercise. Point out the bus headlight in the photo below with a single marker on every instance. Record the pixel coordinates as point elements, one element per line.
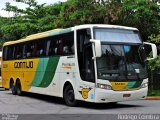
<point>104,86</point>
<point>144,85</point>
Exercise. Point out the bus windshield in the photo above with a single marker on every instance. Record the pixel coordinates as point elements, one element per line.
<point>117,35</point>
<point>121,60</point>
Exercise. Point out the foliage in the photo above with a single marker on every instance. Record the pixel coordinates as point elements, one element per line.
<point>35,18</point>
<point>143,14</point>
<point>75,12</point>
<point>155,64</point>
<point>155,39</point>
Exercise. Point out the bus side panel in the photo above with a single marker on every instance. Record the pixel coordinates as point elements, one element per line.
<point>8,73</point>
<point>24,70</point>
<point>47,81</point>
<point>68,73</point>
<point>29,74</point>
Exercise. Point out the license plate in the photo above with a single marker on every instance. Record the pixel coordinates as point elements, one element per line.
<point>126,95</point>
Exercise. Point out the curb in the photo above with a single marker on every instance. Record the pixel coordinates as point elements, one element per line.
<point>153,98</point>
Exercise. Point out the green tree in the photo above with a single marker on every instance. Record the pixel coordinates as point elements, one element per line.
<point>75,12</point>
<point>155,64</point>
<point>142,14</point>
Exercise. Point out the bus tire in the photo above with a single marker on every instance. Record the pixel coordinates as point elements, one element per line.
<point>19,88</point>
<point>69,96</point>
<point>13,87</point>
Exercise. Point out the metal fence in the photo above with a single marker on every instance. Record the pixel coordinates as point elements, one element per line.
<point>154,83</point>
<point>154,80</point>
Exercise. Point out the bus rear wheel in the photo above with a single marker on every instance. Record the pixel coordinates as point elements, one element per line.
<point>19,88</point>
<point>13,87</point>
<point>69,96</point>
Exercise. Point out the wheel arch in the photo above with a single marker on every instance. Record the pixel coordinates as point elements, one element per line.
<point>67,82</point>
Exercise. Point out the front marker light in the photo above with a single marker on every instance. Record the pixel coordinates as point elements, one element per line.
<point>144,85</point>
<point>104,86</point>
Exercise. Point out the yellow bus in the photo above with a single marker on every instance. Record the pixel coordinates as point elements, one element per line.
<point>94,63</point>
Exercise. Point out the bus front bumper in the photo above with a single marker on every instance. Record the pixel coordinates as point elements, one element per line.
<point>104,96</point>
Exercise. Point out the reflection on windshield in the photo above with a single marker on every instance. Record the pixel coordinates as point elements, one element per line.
<point>121,61</point>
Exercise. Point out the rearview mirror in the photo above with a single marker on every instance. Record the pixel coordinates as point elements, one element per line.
<point>97,47</point>
<point>153,50</point>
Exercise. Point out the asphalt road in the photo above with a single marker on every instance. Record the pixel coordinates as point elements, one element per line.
<point>47,105</point>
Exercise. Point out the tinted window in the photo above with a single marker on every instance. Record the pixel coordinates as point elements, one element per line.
<point>61,45</point>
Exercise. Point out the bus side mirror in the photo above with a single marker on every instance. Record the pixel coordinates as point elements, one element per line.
<point>153,50</point>
<point>97,47</point>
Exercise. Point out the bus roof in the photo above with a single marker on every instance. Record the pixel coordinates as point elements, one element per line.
<point>39,35</point>
<point>104,26</point>
<point>62,31</point>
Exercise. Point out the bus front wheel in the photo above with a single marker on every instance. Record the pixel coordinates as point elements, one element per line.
<point>69,96</point>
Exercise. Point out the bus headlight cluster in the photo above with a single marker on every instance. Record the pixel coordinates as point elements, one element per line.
<point>104,86</point>
<point>144,85</point>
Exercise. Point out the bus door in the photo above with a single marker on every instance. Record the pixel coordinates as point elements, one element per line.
<point>86,82</point>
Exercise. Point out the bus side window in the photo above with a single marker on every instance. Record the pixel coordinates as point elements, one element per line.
<point>66,50</point>
<point>60,47</point>
<point>10,52</point>
<point>31,49</point>
<point>52,46</point>
<point>48,48</point>
<point>40,49</point>
<point>28,49</point>
<point>5,50</point>
<point>19,52</point>
<point>68,43</point>
<point>35,50</point>
<point>25,51</point>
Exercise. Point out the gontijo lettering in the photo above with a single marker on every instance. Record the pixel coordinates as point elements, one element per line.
<point>23,64</point>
